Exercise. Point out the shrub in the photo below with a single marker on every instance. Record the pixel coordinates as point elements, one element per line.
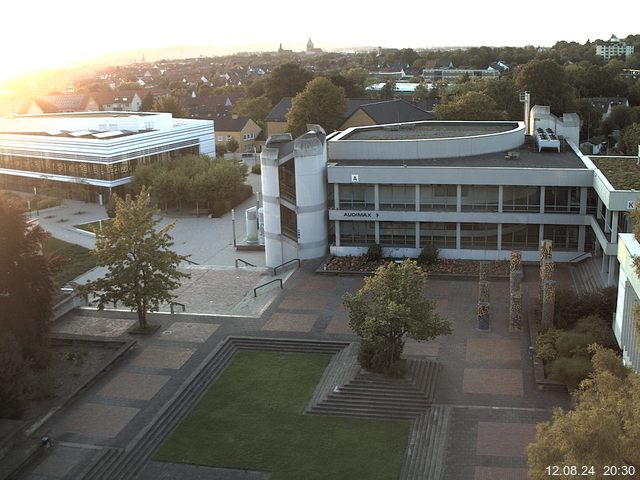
<point>240,195</point>
<point>13,372</point>
<point>374,253</point>
<point>428,256</point>
<point>221,150</point>
<point>573,343</point>
<point>256,169</point>
<point>598,329</point>
<point>546,345</point>
<point>571,371</point>
<point>570,306</point>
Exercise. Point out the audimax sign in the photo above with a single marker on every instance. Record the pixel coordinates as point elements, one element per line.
<point>360,215</point>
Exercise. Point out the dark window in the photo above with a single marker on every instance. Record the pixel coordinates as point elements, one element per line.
<point>398,234</point>
<point>357,233</point>
<point>438,197</point>
<point>287,177</point>
<point>520,237</point>
<point>397,197</point>
<point>479,236</point>
<point>289,223</point>
<point>521,199</point>
<point>479,198</point>
<point>356,197</point>
<point>441,235</point>
<point>564,237</point>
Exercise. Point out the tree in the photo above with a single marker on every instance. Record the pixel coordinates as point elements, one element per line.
<point>255,108</point>
<point>548,85</point>
<point>143,270</point>
<point>388,90</point>
<point>27,282</point>
<point>630,141</point>
<point>170,104</point>
<point>470,106</point>
<point>602,429</point>
<point>232,145</point>
<point>421,93</point>
<point>389,306</point>
<point>321,102</point>
<point>287,80</point>
<point>147,103</point>
<point>13,372</point>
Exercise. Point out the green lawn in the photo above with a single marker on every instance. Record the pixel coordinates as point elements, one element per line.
<point>77,259</point>
<point>92,227</point>
<point>252,418</point>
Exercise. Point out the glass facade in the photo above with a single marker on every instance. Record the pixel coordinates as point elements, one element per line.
<point>520,237</point>
<point>441,235</point>
<point>357,233</point>
<point>520,199</point>
<point>287,178</point>
<point>479,236</point>
<point>564,237</point>
<point>356,197</point>
<point>398,234</point>
<point>483,198</point>
<point>397,197</point>
<point>562,200</point>
<point>438,197</point>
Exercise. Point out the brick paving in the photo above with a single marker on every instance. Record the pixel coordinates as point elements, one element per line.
<point>486,377</point>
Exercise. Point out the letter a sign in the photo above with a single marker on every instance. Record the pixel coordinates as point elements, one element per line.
<point>354,178</point>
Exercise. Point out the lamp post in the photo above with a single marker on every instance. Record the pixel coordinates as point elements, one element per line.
<point>233,226</point>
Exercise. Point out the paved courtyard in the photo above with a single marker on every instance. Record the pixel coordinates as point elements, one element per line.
<point>486,376</point>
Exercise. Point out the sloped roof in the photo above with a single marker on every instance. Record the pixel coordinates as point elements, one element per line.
<point>395,111</point>
<point>279,112</point>
<point>603,103</point>
<point>67,102</point>
<point>227,123</point>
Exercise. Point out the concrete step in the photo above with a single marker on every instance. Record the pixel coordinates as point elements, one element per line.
<point>400,404</point>
<point>363,412</point>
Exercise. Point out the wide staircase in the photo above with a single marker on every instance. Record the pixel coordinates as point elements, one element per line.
<point>586,276</point>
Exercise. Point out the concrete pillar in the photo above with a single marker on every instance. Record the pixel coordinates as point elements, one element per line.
<point>417,198</point>
<point>541,234</point>
<point>611,277</point>
<point>584,192</point>
<point>542,190</point>
<point>483,316</point>
<point>376,197</point>
<point>500,201</point>
<point>337,232</point>
<point>614,227</point>
<point>499,237</point>
<point>336,196</point>
<point>377,227</point>
<point>458,230</point>
<point>483,291</point>
<point>484,271</point>
<point>548,303</point>
<point>582,236</point>
<point>417,234</point>
<point>515,312</point>
<point>459,199</point>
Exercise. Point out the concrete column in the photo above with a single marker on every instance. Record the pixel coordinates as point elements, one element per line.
<point>599,208</point>
<point>417,198</point>
<point>378,233</point>
<point>336,196</point>
<point>582,234</point>
<point>611,277</point>
<point>583,200</point>
<point>376,197</point>
<point>417,234</point>
<point>499,236</point>
<point>542,190</point>
<point>607,220</point>
<point>337,232</point>
<point>541,233</point>
<point>614,227</point>
<point>459,202</point>
<point>604,262</point>
<point>458,229</point>
<point>500,201</point>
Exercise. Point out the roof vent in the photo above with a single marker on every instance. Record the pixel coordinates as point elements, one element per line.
<point>512,155</point>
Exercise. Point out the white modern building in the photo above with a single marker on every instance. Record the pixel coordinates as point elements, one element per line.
<point>93,152</point>
<point>628,298</point>
<point>614,48</point>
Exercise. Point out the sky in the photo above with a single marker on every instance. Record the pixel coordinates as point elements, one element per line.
<point>40,34</point>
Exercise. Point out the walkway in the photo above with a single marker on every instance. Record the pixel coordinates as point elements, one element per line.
<point>486,378</point>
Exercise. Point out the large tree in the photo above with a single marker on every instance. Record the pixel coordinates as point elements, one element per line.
<point>255,108</point>
<point>548,84</point>
<point>603,428</point>
<point>630,141</point>
<point>390,306</point>
<point>142,268</point>
<point>286,80</point>
<point>27,282</point>
<point>321,102</point>
<point>470,106</point>
<point>170,104</point>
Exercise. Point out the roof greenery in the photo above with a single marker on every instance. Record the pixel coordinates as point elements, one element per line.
<point>622,173</point>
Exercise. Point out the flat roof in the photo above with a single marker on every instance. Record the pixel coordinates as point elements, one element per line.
<point>88,115</point>
<point>622,172</point>
<point>528,158</point>
<point>428,130</point>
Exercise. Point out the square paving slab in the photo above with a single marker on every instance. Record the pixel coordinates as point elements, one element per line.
<point>493,381</point>
<point>297,301</point>
<point>189,332</point>
<point>504,439</point>
<point>60,460</point>
<point>93,326</point>
<point>156,357</point>
<point>421,349</point>
<point>339,324</point>
<point>290,322</point>
<point>99,420</point>
<point>134,386</point>
<point>479,349</point>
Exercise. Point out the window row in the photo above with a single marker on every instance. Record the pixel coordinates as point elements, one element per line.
<point>483,198</point>
<point>473,236</point>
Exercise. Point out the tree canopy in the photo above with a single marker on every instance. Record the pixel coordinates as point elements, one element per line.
<point>286,80</point>
<point>548,84</point>
<point>470,106</point>
<point>170,104</point>
<point>142,268</point>
<point>390,305</point>
<point>27,282</point>
<point>321,102</point>
<point>256,108</point>
<point>630,141</point>
<point>602,429</point>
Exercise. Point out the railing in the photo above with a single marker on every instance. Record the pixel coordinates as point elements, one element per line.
<point>245,262</point>
<point>255,290</point>
<point>286,263</point>
<point>172,304</point>
<point>191,262</point>
<point>581,257</point>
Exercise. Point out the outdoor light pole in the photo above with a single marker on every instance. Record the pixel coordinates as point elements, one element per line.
<point>233,226</point>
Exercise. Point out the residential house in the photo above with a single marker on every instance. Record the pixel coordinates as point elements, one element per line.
<point>68,103</point>
<point>244,130</point>
<point>211,106</point>
<point>605,105</point>
<point>389,111</point>
<point>125,101</point>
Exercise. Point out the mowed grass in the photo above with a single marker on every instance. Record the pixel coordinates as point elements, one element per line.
<point>252,418</point>
<point>77,259</point>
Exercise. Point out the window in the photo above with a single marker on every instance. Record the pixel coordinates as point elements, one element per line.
<point>438,197</point>
<point>229,137</point>
<point>356,197</point>
<point>398,234</point>
<point>287,177</point>
<point>479,236</point>
<point>562,200</point>
<point>564,237</point>
<point>441,235</point>
<point>288,223</point>
<point>397,197</point>
<point>357,233</point>
<point>479,198</point>
<point>520,237</point>
<point>520,199</point>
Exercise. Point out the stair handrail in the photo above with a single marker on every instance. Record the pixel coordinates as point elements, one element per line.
<point>243,261</point>
<point>581,257</point>
<point>286,263</point>
<point>255,290</point>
